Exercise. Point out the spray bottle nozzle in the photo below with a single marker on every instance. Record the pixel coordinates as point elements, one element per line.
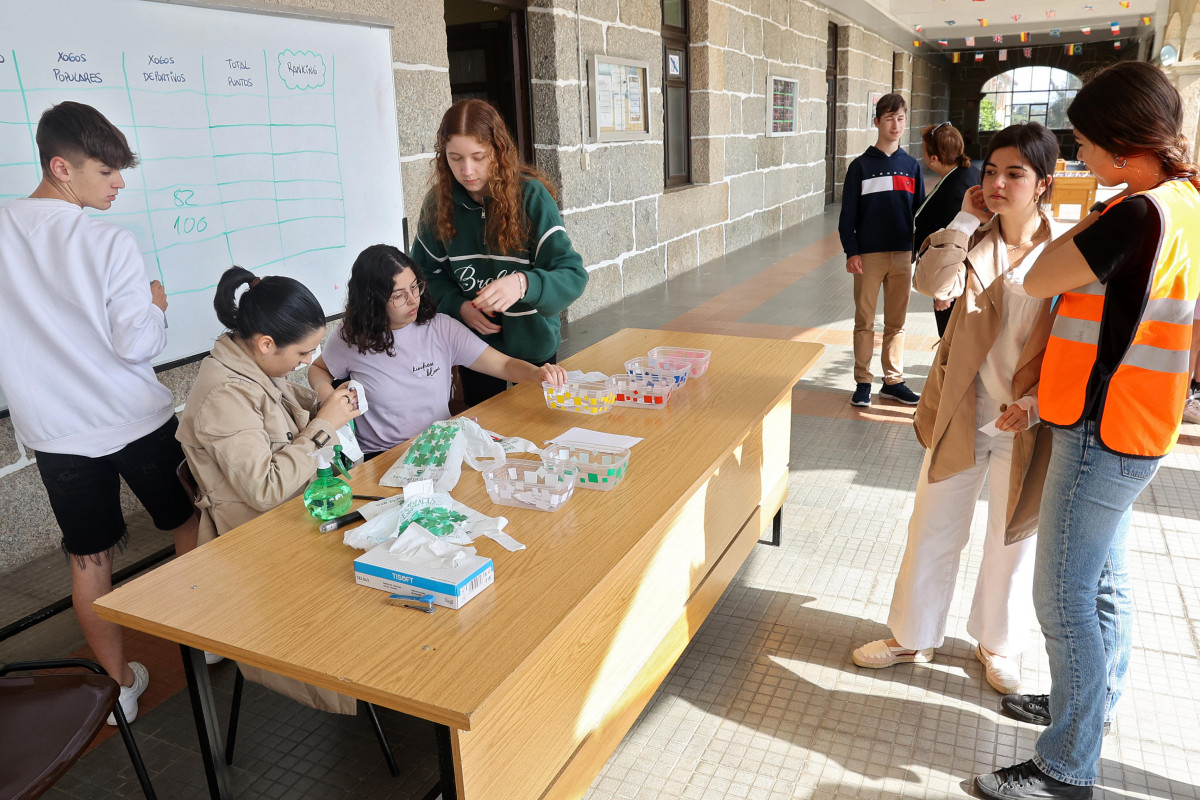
<point>340,461</point>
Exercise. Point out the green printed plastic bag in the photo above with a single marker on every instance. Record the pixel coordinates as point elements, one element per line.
<point>437,454</point>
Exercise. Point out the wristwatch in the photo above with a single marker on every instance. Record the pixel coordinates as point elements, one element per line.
<point>1098,207</point>
<point>321,438</point>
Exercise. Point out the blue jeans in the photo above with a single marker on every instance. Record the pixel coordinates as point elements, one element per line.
<point>1082,594</point>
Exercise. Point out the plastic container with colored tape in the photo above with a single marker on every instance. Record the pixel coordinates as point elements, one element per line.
<point>634,392</point>
<point>525,483</point>
<point>654,376</point>
<point>584,397</point>
<point>694,358</point>
<point>593,466</point>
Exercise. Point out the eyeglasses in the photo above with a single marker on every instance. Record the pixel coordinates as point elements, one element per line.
<point>402,297</point>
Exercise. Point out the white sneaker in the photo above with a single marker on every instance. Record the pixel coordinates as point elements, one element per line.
<point>1191,410</point>
<point>1002,673</point>
<point>130,694</point>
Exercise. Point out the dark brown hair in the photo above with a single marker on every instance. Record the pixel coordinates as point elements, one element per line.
<point>78,132</point>
<point>946,143</point>
<point>372,282</point>
<point>888,103</point>
<point>278,306</point>
<point>507,226</point>
<point>1037,145</point>
<point>1130,109</point>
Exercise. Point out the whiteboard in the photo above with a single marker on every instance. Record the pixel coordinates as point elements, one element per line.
<point>265,141</point>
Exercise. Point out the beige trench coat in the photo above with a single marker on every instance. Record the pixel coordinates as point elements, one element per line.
<point>248,441</point>
<point>951,266</point>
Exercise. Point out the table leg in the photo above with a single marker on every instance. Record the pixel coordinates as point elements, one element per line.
<point>776,530</point>
<point>447,788</point>
<point>207,728</point>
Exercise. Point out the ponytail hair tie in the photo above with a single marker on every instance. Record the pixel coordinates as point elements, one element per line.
<point>240,292</point>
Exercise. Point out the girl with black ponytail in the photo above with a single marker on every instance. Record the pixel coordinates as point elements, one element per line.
<point>247,432</point>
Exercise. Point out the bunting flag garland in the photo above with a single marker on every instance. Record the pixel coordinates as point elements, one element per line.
<point>1125,4</point>
<point>1115,27</point>
<point>1024,36</point>
<point>970,41</point>
<point>916,42</point>
<point>1087,30</point>
<point>998,38</point>
<point>944,42</point>
<point>955,57</point>
<point>918,28</point>
<point>1055,32</point>
<point>1072,49</point>
<point>978,56</point>
<point>1050,14</point>
<point>1088,8</point>
<point>951,22</point>
<point>1016,17</point>
<point>1117,44</point>
<point>1002,55</point>
<point>1028,52</point>
<point>1145,20</point>
<point>983,22</point>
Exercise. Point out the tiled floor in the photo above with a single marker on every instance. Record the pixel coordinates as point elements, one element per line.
<point>765,703</point>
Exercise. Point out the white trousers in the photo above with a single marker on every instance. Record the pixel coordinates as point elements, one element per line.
<point>1002,610</point>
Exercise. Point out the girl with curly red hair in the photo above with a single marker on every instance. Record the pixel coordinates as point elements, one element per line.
<point>492,245</point>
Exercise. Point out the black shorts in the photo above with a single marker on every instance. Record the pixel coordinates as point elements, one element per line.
<point>85,493</point>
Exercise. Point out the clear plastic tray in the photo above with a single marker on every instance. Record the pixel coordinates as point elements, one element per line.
<point>673,377</point>
<point>635,392</point>
<point>525,483</point>
<point>695,358</point>
<point>593,466</point>
<point>585,397</point>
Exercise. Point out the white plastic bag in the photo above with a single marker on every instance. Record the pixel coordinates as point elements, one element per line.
<point>438,453</point>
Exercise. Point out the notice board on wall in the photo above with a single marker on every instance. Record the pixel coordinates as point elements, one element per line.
<point>266,140</point>
<point>617,98</point>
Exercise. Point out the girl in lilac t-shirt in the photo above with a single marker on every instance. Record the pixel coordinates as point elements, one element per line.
<point>401,350</point>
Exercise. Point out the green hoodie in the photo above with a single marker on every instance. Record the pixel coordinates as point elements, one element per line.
<point>458,269</point>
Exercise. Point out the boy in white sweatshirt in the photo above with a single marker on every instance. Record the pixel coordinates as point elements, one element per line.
<point>81,324</point>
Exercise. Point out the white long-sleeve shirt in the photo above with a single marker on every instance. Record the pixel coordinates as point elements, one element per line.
<point>78,331</point>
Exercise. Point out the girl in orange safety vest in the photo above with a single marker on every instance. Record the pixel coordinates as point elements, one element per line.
<point>1113,384</point>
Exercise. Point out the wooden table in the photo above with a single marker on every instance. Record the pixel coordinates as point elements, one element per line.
<point>533,684</point>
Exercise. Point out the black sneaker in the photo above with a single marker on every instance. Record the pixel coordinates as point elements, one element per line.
<point>862,395</point>
<point>1025,780</point>
<point>1033,708</point>
<point>900,393</point>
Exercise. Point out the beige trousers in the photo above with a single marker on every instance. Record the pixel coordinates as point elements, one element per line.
<point>892,271</point>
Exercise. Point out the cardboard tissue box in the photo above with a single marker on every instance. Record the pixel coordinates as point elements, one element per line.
<point>418,563</point>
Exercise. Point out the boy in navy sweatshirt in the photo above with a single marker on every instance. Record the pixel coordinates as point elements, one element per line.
<point>883,190</point>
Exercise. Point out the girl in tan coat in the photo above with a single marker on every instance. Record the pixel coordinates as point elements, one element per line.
<point>248,432</point>
<point>986,370</point>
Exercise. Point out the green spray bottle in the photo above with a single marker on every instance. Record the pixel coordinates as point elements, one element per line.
<point>328,496</point>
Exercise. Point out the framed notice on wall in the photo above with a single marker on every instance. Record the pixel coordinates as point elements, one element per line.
<point>783,95</point>
<point>617,98</point>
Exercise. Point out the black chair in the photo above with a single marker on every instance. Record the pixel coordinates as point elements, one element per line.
<point>184,473</point>
<point>48,720</point>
